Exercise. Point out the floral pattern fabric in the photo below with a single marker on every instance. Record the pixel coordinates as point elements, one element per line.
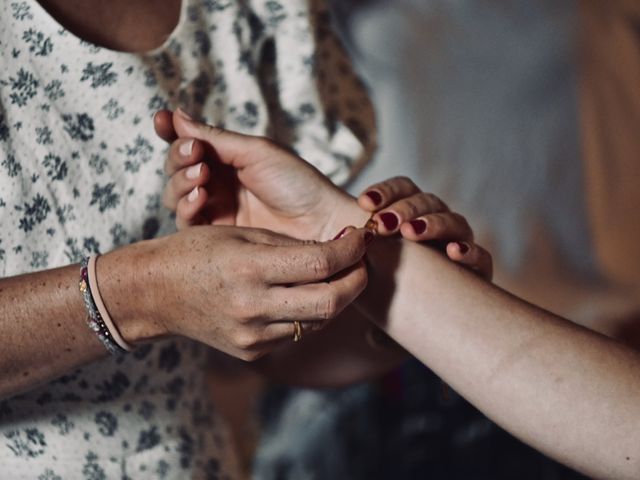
<point>81,172</point>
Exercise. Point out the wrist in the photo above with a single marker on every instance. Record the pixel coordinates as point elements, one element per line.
<point>346,212</point>
<point>128,288</point>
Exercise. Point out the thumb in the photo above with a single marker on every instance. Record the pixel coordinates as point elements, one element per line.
<point>232,148</point>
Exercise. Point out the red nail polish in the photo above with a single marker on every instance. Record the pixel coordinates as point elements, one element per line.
<point>419,226</point>
<point>375,197</point>
<point>464,248</point>
<point>390,220</point>
<point>340,233</point>
<point>368,237</point>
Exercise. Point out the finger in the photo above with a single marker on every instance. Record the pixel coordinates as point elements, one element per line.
<point>406,209</point>
<point>385,193</point>
<point>183,182</point>
<point>472,256</point>
<point>189,208</point>
<point>183,153</point>
<point>318,303</point>
<point>281,332</point>
<point>437,226</point>
<point>163,125</point>
<point>314,262</point>
<point>232,148</point>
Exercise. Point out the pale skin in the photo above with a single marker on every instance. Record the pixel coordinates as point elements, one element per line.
<point>566,390</point>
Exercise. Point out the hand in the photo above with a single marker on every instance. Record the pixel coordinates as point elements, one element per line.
<point>224,178</point>
<point>239,290</point>
<point>401,207</point>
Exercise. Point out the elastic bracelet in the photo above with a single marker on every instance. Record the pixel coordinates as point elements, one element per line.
<point>104,313</point>
<point>94,319</point>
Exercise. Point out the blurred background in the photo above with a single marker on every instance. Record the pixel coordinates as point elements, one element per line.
<point>483,103</point>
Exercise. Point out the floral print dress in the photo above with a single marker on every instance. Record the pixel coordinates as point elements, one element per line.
<point>81,172</point>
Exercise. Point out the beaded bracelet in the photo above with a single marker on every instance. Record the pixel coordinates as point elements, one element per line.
<point>114,344</point>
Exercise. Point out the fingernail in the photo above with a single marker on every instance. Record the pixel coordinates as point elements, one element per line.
<point>464,248</point>
<point>390,220</point>
<point>368,237</point>
<point>374,196</point>
<point>183,114</point>
<point>193,172</point>
<point>419,226</point>
<point>340,233</point>
<point>193,195</point>
<point>186,148</point>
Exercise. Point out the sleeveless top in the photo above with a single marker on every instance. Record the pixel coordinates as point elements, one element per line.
<point>81,171</point>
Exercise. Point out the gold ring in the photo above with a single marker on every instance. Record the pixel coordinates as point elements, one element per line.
<point>297,331</point>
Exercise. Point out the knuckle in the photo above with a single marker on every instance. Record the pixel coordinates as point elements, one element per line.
<point>406,181</point>
<point>183,211</point>
<point>166,200</point>
<point>320,265</point>
<point>464,224</point>
<point>309,243</point>
<point>250,355</point>
<point>436,224</point>
<point>262,143</point>
<point>403,184</point>
<point>410,209</point>
<point>213,130</point>
<point>361,279</point>
<point>246,341</point>
<point>243,308</point>
<point>328,307</point>
<point>246,270</point>
<point>437,204</point>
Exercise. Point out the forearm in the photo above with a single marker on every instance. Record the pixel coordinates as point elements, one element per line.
<point>43,329</point>
<point>567,391</point>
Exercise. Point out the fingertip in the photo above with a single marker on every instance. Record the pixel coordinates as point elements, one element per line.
<point>406,230</point>
<point>365,203</point>
<point>163,125</point>
<point>193,195</point>
<point>418,225</point>
<point>370,200</point>
<point>189,207</point>
<point>186,147</point>
<point>453,251</point>
<point>390,221</point>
